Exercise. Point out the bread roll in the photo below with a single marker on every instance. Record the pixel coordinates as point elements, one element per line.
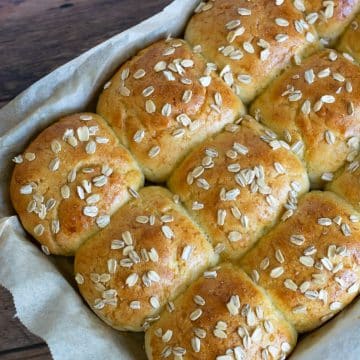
<point>310,264</point>
<point>347,183</point>
<point>250,41</point>
<point>70,180</point>
<point>349,42</point>
<point>237,185</point>
<point>316,107</point>
<point>163,102</point>
<point>149,253</point>
<point>222,316</point>
<point>330,18</point>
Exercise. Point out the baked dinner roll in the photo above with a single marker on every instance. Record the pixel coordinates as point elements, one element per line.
<point>347,183</point>
<point>310,264</point>
<point>222,316</point>
<point>250,41</point>
<point>144,259</point>
<point>316,107</point>
<point>329,17</point>
<point>163,102</point>
<point>70,180</point>
<point>237,185</point>
<point>349,42</point>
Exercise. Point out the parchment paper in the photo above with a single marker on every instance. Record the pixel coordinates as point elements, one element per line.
<point>46,302</point>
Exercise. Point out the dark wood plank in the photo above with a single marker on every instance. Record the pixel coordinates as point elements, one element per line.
<point>38,36</point>
<point>13,333</point>
<point>35,38</point>
<point>36,352</point>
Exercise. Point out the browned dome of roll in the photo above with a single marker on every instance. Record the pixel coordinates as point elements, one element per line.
<point>316,107</point>
<point>163,102</point>
<point>310,264</point>
<point>330,18</point>
<point>70,180</point>
<point>238,184</point>
<point>349,42</point>
<point>347,183</point>
<point>250,41</point>
<point>149,253</point>
<point>223,316</point>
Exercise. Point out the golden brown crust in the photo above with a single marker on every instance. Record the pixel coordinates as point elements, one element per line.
<point>196,112</point>
<point>309,269</point>
<point>329,17</point>
<point>347,183</point>
<point>276,34</point>
<point>254,203</point>
<point>315,112</point>
<point>255,329</point>
<point>349,42</point>
<point>168,257</point>
<point>53,199</point>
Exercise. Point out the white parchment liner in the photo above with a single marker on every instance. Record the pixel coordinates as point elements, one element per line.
<point>46,302</point>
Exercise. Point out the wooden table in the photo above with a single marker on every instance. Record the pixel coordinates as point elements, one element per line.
<point>37,36</point>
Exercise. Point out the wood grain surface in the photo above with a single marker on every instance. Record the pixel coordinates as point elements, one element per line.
<point>37,36</point>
